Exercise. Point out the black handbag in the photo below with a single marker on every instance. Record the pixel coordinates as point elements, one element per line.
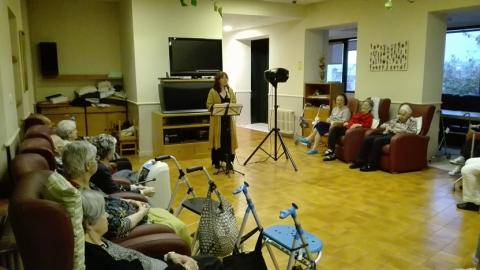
<point>252,260</point>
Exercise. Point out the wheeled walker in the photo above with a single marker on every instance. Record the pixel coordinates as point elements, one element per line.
<point>301,246</point>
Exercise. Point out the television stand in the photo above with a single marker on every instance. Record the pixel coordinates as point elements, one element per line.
<point>183,135</point>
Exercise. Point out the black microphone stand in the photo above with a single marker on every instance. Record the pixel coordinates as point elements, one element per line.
<point>277,135</point>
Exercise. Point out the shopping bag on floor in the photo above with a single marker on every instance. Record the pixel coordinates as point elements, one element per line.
<point>252,260</point>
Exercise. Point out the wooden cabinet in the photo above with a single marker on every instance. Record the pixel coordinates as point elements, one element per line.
<point>319,98</point>
<point>183,135</point>
<point>90,121</point>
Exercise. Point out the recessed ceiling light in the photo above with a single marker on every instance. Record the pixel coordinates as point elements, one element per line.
<point>227,28</point>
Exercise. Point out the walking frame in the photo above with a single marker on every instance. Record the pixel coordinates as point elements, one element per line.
<point>292,240</point>
<point>194,203</point>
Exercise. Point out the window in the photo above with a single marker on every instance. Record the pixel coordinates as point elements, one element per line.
<point>461,69</point>
<point>342,64</point>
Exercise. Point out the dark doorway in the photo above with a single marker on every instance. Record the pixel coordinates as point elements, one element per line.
<point>259,99</point>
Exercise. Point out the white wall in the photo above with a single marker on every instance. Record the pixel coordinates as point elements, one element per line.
<point>153,22</point>
<point>8,108</point>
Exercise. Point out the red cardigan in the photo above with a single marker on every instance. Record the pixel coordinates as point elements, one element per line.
<point>365,119</point>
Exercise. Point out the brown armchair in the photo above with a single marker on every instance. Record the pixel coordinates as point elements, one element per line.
<point>52,236</point>
<point>349,145</point>
<point>40,131</point>
<point>408,152</point>
<point>35,119</point>
<point>39,146</point>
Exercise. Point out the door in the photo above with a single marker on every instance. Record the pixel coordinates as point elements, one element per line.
<point>259,97</point>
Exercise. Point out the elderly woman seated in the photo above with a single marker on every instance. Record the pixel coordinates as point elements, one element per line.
<point>362,119</point>
<point>105,145</point>
<point>339,115</point>
<point>471,185</point>
<point>65,133</point>
<point>369,157</point>
<point>80,164</point>
<point>103,254</point>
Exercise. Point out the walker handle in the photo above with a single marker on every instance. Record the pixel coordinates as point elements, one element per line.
<point>160,158</point>
<point>194,169</point>
<point>242,188</point>
<point>289,211</point>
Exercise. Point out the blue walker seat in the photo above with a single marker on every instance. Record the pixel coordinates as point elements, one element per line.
<point>284,235</point>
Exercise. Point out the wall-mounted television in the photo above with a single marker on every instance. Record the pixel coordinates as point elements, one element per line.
<point>195,57</point>
<point>184,96</point>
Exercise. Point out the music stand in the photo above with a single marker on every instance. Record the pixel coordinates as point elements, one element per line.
<point>222,110</point>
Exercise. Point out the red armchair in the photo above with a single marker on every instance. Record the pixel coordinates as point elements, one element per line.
<point>53,233</point>
<point>349,145</point>
<point>408,152</point>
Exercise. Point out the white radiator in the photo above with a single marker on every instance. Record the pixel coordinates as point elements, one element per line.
<point>285,121</point>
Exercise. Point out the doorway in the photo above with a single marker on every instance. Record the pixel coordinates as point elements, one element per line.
<point>259,97</point>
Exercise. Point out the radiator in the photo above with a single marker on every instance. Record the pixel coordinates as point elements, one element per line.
<point>285,121</point>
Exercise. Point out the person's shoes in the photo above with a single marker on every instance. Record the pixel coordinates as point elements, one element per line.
<point>456,171</point>
<point>356,165</point>
<point>217,166</point>
<point>327,152</point>
<point>368,168</point>
<point>468,206</point>
<point>330,157</point>
<point>458,161</point>
<point>229,166</point>
<point>312,152</point>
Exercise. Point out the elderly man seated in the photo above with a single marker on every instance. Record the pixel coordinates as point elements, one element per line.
<point>369,157</point>
<point>471,185</point>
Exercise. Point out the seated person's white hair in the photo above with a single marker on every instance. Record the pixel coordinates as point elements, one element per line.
<point>65,128</point>
<point>105,143</point>
<point>75,157</point>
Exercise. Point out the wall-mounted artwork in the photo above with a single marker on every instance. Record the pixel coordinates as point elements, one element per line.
<point>389,57</point>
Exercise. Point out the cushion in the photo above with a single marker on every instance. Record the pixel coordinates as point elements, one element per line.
<point>419,124</point>
<point>59,190</point>
<point>375,123</point>
<point>376,104</point>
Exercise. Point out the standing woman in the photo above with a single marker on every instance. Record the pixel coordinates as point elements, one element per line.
<point>222,134</point>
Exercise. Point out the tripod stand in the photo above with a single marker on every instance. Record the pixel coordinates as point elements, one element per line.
<point>277,137</point>
<point>227,110</point>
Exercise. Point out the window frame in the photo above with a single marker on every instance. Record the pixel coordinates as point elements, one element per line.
<point>345,59</point>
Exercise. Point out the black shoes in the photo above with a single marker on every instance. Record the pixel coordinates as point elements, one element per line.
<point>368,168</point>
<point>356,165</point>
<point>468,206</point>
<point>330,157</point>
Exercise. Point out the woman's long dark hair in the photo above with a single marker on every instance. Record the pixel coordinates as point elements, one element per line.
<point>216,84</point>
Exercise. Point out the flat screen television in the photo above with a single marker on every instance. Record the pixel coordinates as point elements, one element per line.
<point>195,57</point>
<point>184,96</point>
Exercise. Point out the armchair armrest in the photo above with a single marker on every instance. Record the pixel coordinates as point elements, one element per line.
<point>129,195</point>
<point>412,141</point>
<point>408,152</point>
<point>145,229</point>
<point>121,181</point>
<point>355,135</point>
<point>157,245</point>
<point>374,131</point>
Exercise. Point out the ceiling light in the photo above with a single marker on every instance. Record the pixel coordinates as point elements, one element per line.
<point>227,28</point>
